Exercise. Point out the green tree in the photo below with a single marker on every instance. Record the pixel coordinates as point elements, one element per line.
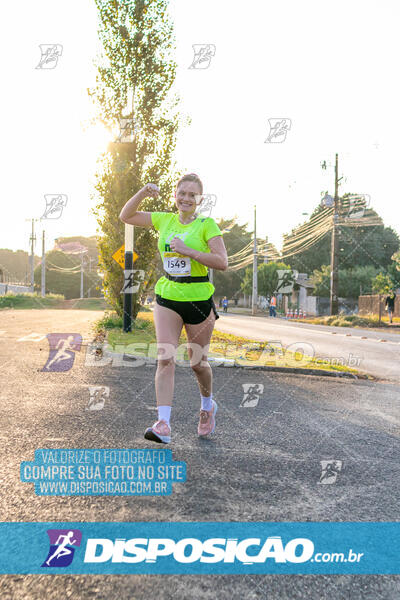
<point>236,237</point>
<point>15,266</point>
<point>382,284</point>
<point>267,278</point>
<point>396,259</point>
<point>63,271</point>
<point>358,245</point>
<point>134,80</point>
<point>351,281</point>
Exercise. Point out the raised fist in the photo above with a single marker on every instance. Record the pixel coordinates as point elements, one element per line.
<point>151,189</point>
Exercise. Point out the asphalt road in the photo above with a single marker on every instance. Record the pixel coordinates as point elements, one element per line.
<point>262,464</point>
<point>358,348</point>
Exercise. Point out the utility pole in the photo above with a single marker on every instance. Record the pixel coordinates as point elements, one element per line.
<point>334,291</point>
<point>255,290</point>
<point>89,287</point>
<point>32,240</point>
<point>43,265</point>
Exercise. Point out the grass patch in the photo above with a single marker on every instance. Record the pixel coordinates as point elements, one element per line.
<point>245,351</point>
<point>29,300</point>
<point>351,320</point>
<point>91,304</point>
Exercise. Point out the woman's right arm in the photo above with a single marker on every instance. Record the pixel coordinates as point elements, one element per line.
<point>130,214</point>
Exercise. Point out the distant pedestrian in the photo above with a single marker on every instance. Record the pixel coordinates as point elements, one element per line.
<point>389,305</point>
<point>272,307</point>
<point>225,304</point>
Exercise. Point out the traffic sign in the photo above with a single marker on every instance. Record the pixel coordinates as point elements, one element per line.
<point>119,256</point>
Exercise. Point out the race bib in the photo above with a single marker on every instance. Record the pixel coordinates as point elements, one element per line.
<point>176,264</point>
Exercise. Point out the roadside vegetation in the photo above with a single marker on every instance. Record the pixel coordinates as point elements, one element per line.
<point>29,300</point>
<point>368,320</point>
<point>244,351</point>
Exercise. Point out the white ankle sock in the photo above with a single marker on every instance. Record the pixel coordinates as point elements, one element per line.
<point>206,403</point>
<point>164,412</point>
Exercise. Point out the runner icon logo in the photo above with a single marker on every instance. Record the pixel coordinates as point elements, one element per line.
<point>286,280</point>
<point>132,280</point>
<point>62,348</point>
<point>55,203</point>
<point>278,130</point>
<point>98,395</point>
<point>50,53</point>
<point>61,551</point>
<point>251,394</point>
<point>330,470</point>
<point>203,54</point>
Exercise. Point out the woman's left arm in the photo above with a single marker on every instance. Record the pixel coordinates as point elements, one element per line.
<point>217,258</point>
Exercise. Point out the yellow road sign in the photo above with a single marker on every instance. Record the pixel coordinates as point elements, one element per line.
<point>119,256</point>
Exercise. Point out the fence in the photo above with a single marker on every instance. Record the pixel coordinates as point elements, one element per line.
<point>15,288</point>
<point>370,304</point>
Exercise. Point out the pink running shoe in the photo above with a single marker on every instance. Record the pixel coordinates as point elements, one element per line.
<point>207,420</point>
<point>160,432</point>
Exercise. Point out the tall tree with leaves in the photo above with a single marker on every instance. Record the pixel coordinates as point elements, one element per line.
<point>227,283</point>
<point>134,80</point>
<point>267,278</point>
<point>358,245</point>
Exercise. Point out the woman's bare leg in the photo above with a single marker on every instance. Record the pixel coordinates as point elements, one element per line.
<point>168,326</point>
<point>201,335</point>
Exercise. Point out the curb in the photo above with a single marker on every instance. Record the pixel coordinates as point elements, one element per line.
<point>231,363</point>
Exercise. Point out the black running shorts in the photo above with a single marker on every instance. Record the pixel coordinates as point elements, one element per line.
<point>192,313</point>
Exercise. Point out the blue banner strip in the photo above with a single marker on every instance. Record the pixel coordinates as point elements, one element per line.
<point>200,548</point>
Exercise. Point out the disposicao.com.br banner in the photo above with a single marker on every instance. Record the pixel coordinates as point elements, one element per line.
<point>200,548</point>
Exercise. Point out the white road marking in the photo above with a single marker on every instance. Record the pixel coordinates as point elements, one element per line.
<point>32,337</point>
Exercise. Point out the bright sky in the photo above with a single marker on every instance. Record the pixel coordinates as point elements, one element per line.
<point>331,68</point>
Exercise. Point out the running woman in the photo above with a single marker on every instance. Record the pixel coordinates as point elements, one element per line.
<point>188,245</point>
